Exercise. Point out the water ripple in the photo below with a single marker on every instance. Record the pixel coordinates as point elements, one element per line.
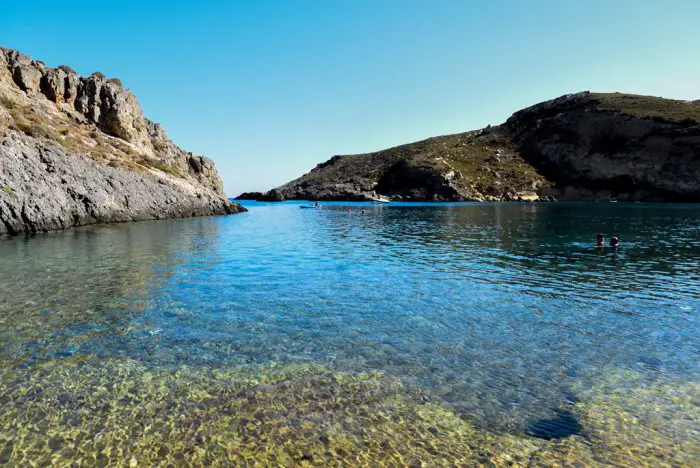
<point>502,311</point>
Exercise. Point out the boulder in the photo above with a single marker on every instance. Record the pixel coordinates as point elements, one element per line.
<point>27,77</point>
<point>249,196</point>
<point>272,196</point>
<point>53,85</point>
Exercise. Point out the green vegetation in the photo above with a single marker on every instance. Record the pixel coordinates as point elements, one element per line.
<point>124,148</point>
<point>159,165</point>
<point>35,130</point>
<point>31,123</point>
<point>107,150</point>
<point>7,189</point>
<point>159,146</point>
<point>8,103</point>
<point>650,107</point>
<point>486,161</point>
<point>70,142</point>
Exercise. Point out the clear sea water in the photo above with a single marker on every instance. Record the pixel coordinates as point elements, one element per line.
<point>504,315</point>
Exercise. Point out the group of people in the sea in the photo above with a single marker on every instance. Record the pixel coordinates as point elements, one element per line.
<point>614,241</point>
<point>317,205</point>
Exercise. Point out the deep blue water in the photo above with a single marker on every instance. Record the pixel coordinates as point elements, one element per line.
<point>501,311</point>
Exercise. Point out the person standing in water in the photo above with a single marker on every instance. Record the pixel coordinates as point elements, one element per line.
<point>600,240</point>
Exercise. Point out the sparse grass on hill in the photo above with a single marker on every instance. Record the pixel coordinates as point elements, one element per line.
<point>35,130</point>
<point>161,166</point>
<point>483,163</point>
<point>650,107</point>
<point>484,160</point>
<point>78,138</point>
<point>7,103</point>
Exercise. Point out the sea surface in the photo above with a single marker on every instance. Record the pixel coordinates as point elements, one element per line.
<point>399,334</point>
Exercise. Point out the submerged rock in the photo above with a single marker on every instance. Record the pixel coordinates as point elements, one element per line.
<point>110,410</point>
<point>565,424</point>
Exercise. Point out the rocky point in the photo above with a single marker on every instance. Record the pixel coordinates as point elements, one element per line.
<point>77,150</point>
<point>579,147</point>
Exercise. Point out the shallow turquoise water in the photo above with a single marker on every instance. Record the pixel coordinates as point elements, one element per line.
<point>502,312</point>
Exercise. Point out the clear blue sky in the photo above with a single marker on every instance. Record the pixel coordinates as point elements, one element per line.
<point>268,89</point>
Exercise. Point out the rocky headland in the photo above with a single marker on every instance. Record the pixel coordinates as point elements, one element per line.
<point>77,150</point>
<point>579,147</point>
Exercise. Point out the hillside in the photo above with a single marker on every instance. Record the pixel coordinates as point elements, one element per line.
<point>584,146</point>
<point>78,150</point>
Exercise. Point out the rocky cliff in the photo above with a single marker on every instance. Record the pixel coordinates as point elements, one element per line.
<point>78,150</point>
<point>582,146</point>
<point>595,146</point>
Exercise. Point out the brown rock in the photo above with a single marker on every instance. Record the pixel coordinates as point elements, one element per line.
<point>27,77</point>
<point>53,85</point>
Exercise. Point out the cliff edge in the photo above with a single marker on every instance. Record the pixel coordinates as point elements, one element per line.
<point>579,147</point>
<point>77,150</point>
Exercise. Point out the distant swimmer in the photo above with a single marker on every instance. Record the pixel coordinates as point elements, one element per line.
<point>363,212</point>
<point>600,240</point>
<point>614,242</point>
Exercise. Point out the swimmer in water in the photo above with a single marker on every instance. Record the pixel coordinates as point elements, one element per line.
<point>600,240</point>
<point>614,242</point>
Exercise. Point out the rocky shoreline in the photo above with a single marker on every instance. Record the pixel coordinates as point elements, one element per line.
<point>579,147</point>
<point>78,150</point>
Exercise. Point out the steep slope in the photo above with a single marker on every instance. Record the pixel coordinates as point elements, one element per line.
<point>601,146</point>
<point>78,150</point>
<point>578,147</point>
<point>479,165</point>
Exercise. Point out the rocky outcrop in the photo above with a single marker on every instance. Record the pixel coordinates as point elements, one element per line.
<point>605,146</point>
<point>102,102</point>
<point>78,150</point>
<point>271,196</point>
<point>582,146</point>
<point>249,196</point>
<point>45,189</point>
<point>472,166</point>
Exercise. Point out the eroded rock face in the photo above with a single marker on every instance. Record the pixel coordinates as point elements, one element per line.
<point>27,77</point>
<point>460,167</point>
<point>583,147</point>
<point>105,103</point>
<point>110,106</point>
<point>78,150</point>
<point>249,196</point>
<point>53,85</point>
<point>415,182</point>
<point>596,153</point>
<point>43,189</point>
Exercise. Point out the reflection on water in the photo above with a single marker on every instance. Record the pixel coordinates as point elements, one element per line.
<point>346,337</point>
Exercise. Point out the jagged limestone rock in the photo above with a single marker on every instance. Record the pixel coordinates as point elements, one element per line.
<point>78,150</point>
